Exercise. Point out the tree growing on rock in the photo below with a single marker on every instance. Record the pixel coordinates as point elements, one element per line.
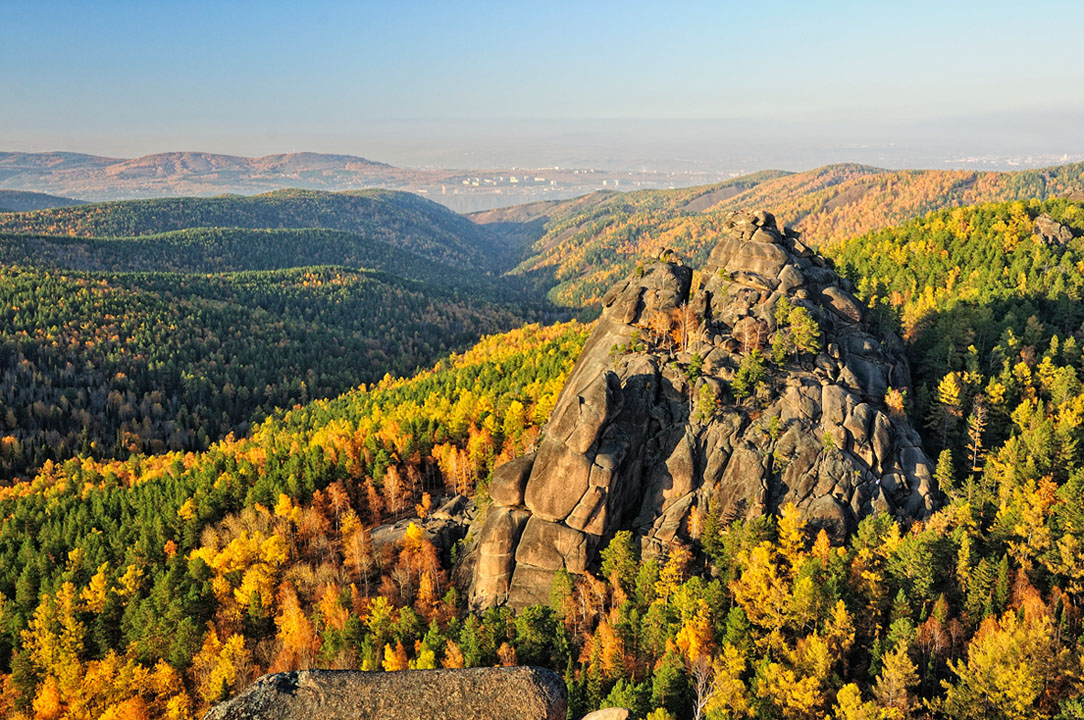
<point>750,377</point>
<point>797,332</point>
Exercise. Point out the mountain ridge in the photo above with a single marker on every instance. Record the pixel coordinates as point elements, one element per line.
<point>578,248</point>
<point>25,201</point>
<point>188,173</point>
<point>196,173</point>
<point>405,220</point>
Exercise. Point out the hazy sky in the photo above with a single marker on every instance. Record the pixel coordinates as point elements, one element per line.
<point>531,83</point>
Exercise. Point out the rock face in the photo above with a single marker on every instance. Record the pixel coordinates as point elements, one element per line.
<point>648,431</point>
<point>519,693</point>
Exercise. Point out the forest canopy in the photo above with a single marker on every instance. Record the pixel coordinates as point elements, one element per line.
<point>158,581</point>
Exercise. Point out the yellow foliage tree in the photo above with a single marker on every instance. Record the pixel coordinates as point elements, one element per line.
<point>898,676</point>
<point>395,658</point>
<point>220,668</point>
<point>763,594</point>
<point>296,638</point>
<point>1013,665</point>
<point>94,594</point>
<point>851,706</point>
<point>453,656</point>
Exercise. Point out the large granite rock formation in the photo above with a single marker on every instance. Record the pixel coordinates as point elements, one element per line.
<point>518,693</point>
<point>643,439</point>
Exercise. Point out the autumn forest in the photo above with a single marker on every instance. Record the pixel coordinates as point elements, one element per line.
<point>240,435</point>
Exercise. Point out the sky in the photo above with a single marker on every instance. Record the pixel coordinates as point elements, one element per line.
<point>611,84</point>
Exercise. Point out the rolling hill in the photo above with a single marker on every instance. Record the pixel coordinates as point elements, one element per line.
<point>400,219</point>
<point>580,247</point>
<point>21,201</point>
<point>221,249</point>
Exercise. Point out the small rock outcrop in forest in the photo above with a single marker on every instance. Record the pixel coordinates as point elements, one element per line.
<point>755,383</point>
<point>516,693</point>
<point>1051,232</point>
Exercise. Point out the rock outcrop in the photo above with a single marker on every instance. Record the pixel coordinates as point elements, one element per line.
<point>517,693</point>
<point>443,527</point>
<point>649,432</point>
<point>608,714</point>
<point>1051,232</point>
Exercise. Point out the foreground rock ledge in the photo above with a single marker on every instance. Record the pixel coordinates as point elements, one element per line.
<point>517,693</point>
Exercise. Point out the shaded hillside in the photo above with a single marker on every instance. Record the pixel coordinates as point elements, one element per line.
<point>207,250</point>
<point>107,364</point>
<point>400,219</point>
<point>19,201</point>
<point>140,326</point>
<point>581,247</point>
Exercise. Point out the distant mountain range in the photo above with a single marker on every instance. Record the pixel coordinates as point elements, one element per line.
<point>91,177</point>
<point>186,173</point>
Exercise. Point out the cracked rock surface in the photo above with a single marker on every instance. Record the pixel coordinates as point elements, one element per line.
<point>514,693</point>
<point>648,432</point>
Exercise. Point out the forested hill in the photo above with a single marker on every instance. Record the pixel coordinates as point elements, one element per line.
<point>21,201</point>
<point>580,247</point>
<point>208,250</point>
<point>107,364</point>
<point>401,219</point>
<point>122,334</point>
<point>973,288</point>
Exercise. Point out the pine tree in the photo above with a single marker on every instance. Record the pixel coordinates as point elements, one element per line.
<point>897,677</point>
<point>949,403</point>
<point>976,426</point>
<point>944,473</point>
<point>804,331</point>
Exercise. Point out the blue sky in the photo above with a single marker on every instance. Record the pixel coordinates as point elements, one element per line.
<point>126,78</point>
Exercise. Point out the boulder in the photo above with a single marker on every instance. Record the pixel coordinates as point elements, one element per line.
<point>516,693</point>
<point>843,304</point>
<point>608,714</point>
<point>510,480</point>
<point>552,546</point>
<point>495,552</point>
<point>1051,232</point>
